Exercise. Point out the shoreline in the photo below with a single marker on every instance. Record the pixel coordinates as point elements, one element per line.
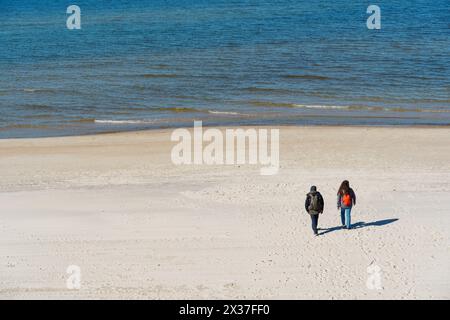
<point>221,127</point>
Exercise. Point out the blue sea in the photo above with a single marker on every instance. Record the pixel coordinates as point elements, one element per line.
<point>156,64</point>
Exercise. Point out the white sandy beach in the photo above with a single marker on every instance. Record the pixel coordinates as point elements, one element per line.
<point>140,227</point>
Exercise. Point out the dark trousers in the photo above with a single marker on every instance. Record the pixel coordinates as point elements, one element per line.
<point>314,222</point>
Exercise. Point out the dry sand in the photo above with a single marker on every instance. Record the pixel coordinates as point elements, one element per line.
<point>140,227</point>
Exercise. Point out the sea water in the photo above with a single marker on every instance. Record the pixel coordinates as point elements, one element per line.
<point>153,64</point>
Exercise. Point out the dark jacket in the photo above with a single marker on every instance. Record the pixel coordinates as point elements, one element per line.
<point>308,201</point>
<point>339,199</point>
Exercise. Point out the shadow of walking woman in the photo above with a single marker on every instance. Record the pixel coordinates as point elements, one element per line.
<point>360,224</point>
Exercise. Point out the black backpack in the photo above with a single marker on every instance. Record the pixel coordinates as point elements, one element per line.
<point>315,203</point>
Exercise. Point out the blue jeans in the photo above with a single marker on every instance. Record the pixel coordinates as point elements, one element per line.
<point>345,217</point>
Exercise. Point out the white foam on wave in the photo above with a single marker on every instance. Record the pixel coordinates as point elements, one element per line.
<point>38,90</point>
<point>308,106</point>
<point>227,113</point>
<point>372,108</point>
<point>124,121</point>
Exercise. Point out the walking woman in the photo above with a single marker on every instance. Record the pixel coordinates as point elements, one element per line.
<point>346,199</point>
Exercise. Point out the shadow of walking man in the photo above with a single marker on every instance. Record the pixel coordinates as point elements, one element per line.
<point>360,224</point>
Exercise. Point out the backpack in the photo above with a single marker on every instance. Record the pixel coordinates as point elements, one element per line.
<point>347,200</point>
<point>315,204</point>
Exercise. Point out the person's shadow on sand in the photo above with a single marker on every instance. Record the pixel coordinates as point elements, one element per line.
<point>360,224</point>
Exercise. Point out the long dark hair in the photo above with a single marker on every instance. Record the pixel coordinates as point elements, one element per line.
<point>344,188</point>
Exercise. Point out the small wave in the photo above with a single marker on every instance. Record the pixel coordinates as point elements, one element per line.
<point>435,101</point>
<point>418,110</point>
<point>161,66</point>
<point>24,126</point>
<point>84,120</point>
<point>370,108</point>
<point>305,76</point>
<point>35,90</point>
<point>266,90</point>
<point>271,104</point>
<point>412,101</point>
<point>124,121</point>
<point>227,113</point>
<point>347,107</point>
<point>179,110</point>
<point>306,106</point>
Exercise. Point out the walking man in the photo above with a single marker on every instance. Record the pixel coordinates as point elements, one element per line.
<point>314,205</point>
